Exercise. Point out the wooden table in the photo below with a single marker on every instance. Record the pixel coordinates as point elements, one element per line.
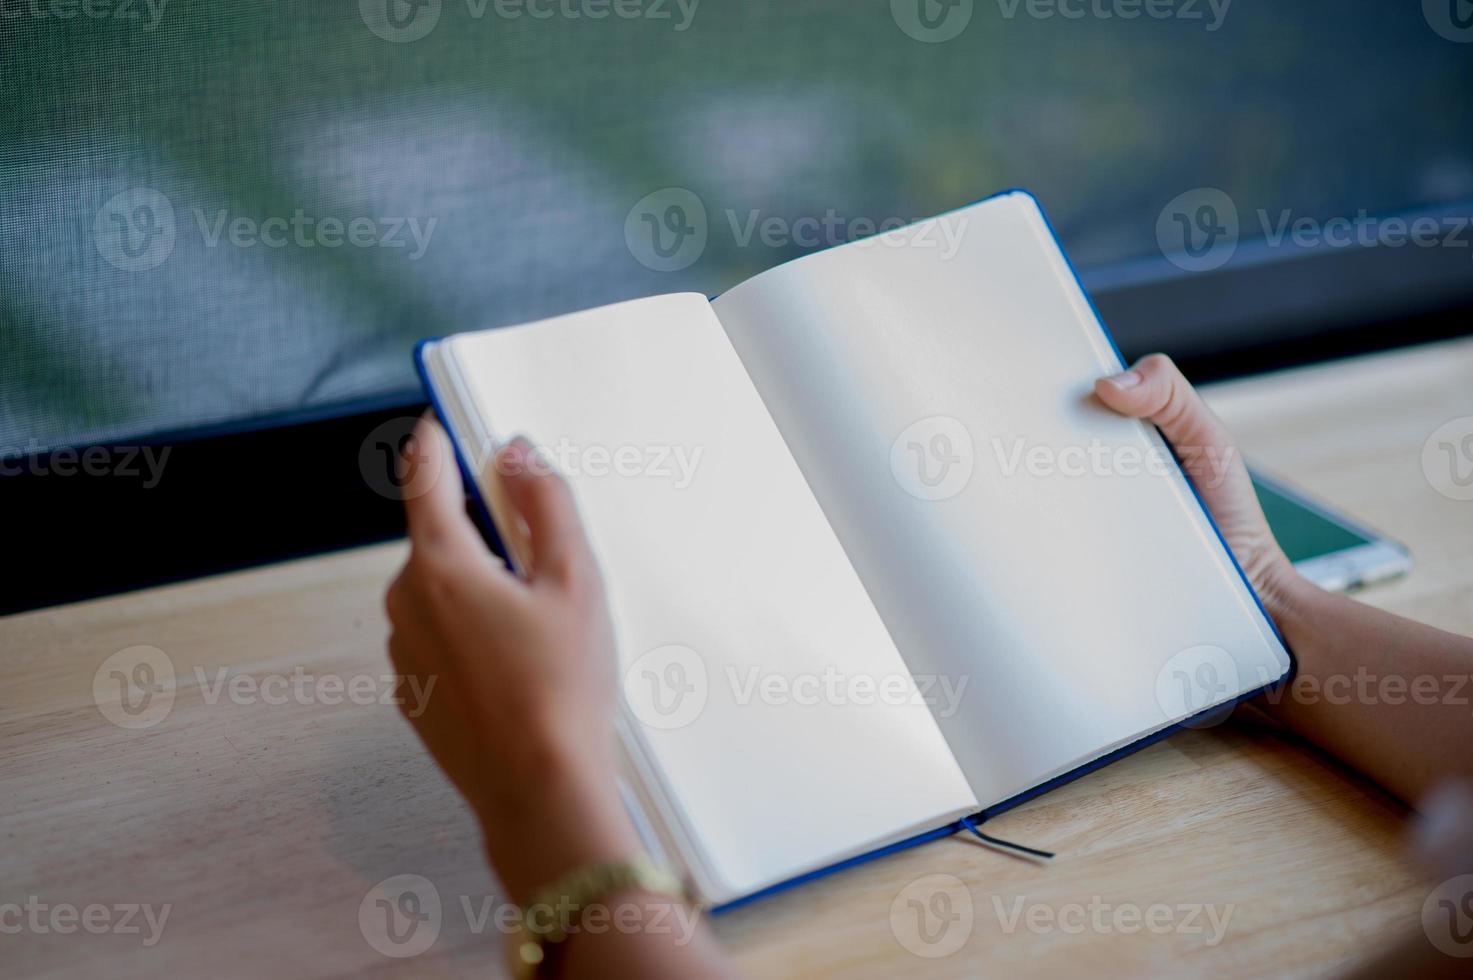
<point>265,825</point>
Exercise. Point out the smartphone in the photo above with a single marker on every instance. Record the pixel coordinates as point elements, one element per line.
<point>1328,548</point>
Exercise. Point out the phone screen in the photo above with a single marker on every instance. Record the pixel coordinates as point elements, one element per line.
<point>1304,533</point>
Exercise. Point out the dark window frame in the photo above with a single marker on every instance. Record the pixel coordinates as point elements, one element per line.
<point>271,489</point>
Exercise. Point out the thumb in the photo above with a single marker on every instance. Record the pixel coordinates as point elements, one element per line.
<point>1156,391</point>
<point>543,499</point>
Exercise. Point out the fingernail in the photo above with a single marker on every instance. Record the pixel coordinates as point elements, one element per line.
<point>1125,379</point>
<point>514,453</point>
<point>411,447</point>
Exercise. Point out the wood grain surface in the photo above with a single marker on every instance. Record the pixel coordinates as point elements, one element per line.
<point>264,819</point>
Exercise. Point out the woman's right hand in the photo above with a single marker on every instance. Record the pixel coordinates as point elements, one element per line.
<point>1156,391</point>
<point>1354,663</point>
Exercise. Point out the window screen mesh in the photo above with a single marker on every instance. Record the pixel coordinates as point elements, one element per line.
<point>173,173</point>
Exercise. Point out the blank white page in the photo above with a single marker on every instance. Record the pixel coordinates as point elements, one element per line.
<point>733,560</point>
<point>1081,611</point>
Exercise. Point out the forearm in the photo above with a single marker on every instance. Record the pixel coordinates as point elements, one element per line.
<point>561,812</point>
<point>568,815</point>
<point>1390,696</point>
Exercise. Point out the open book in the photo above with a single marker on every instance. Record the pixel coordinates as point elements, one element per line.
<point>877,558</point>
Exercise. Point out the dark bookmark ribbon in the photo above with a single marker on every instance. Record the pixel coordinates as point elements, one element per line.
<point>971,825</point>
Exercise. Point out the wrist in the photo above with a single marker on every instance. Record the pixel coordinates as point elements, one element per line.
<point>1286,595</point>
<point>1297,607</point>
<point>561,809</point>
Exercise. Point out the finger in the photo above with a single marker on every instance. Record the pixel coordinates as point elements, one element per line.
<point>560,548</point>
<point>1156,390</point>
<point>438,525</point>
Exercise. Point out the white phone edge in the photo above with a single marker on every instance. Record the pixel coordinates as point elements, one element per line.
<point>1377,560</point>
